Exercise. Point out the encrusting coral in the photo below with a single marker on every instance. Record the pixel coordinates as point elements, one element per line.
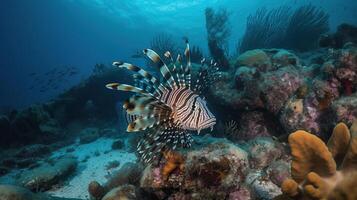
<point>318,170</point>
<point>174,161</point>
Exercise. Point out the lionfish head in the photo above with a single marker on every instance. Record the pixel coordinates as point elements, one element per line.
<point>203,116</point>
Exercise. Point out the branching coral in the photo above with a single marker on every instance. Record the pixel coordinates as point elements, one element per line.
<point>281,28</point>
<point>314,168</point>
<point>218,32</point>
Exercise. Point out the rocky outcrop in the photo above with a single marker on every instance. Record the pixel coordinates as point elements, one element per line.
<point>45,176</point>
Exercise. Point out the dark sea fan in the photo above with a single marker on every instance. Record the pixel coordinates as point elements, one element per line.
<point>283,28</point>
<point>167,109</point>
<point>163,42</point>
<point>264,29</point>
<point>305,27</point>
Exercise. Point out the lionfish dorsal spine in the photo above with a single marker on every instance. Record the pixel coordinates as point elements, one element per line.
<point>181,75</point>
<point>129,88</point>
<point>188,65</point>
<point>162,67</point>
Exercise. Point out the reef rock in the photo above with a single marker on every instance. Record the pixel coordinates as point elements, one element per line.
<point>278,86</point>
<point>263,151</point>
<point>262,187</point>
<point>285,58</point>
<point>35,150</point>
<point>45,176</point>
<point>118,144</point>
<point>254,124</point>
<point>10,192</point>
<point>32,125</point>
<point>265,79</point>
<point>126,192</point>
<point>129,174</point>
<point>219,166</point>
<point>88,135</point>
<point>254,58</point>
<point>345,109</point>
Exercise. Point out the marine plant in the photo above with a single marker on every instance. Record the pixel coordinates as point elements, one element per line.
<point>163,42</point>
<point>264,28</point>
<point>283,28</point>
<point>218,32</point>
<point>323,171</point>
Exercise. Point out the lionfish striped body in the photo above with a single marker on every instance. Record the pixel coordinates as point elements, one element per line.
<point>167,109</point>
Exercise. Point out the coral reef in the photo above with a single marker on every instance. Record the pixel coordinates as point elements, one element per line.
<point>262,84</point>
<point>302,91</point>
<point>32,125</point>
<point>318,167</point>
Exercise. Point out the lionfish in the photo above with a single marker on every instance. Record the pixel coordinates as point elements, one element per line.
<point>168,108</point>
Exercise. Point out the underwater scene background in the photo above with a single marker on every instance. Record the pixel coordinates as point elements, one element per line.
<point>226,99</point>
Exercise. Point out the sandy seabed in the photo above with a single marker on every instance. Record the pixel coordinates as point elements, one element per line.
<point>98,154</point>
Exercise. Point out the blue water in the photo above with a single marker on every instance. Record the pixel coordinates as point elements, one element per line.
<point>40,35</point>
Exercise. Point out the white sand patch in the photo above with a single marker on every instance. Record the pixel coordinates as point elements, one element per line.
<point>98,154</point>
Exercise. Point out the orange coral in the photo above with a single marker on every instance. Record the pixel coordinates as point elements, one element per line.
<point>345,189</point>
<point>313,169</point>
<point>174,161</point>
<point>339,141</point>
<point>309,154</point>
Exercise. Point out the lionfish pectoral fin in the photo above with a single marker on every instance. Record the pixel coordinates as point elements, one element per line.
<point>142,124</point>
<point>145,105</point>
<point>128,88</point>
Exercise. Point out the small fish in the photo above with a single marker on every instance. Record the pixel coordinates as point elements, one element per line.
<point>137,54</point>
<point>168,109</point>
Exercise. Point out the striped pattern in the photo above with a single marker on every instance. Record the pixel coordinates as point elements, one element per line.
<point>168,109</point>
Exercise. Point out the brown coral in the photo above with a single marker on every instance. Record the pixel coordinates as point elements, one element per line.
<point>338,146</point>
<point>174,161</point>
<point>314,170</point>
<point>309,154</point>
